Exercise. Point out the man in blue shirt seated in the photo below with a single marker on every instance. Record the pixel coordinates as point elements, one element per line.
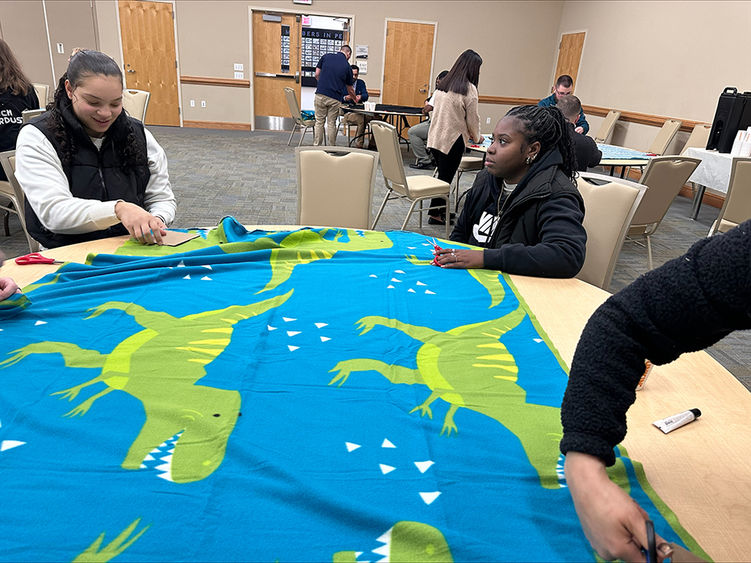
<point>334,75</point>
<point>358,119</point>
<point>563,87</point>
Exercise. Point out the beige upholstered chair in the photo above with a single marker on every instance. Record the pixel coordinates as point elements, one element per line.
<point>399,186</point>
<point>737,206</point>
<point>664,178</point>
<point>29,114</point>
<point>607,126</point>
<point>335,186</point>
<point>467,164</point>
<point>300,123</point>
<point>43,93</point>
<point>664,136</point>
<point>698,137</point>
<point>609,210</point>
<point>11,196</point>
<point>136,102</point>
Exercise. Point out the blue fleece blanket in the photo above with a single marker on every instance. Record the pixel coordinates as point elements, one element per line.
<point>317,395</point>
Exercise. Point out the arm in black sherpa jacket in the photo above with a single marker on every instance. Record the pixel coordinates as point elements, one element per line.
<point>686,305</point>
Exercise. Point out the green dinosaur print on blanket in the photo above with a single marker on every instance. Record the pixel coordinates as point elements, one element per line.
<point>160,366</point>
<point>95,553</point>
<point>468,367</point>
<point>298,247</point>
<point>407,542</point>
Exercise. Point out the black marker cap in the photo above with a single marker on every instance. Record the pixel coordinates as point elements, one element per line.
<point>697,412</point>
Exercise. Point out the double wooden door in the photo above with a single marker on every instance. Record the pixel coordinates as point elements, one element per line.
<point>271,73</point>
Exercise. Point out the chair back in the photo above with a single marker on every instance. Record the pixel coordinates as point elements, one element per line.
<point>136,102</point>
<point>698,137</point>
<point>29,114</point>
<point>42,92</point>
<point>12,190</point>
<point>607,126</point>
<point>392,164</point>
<point>664,178</point>
<point>335,186</point>
<point>609,209</point>
<point>294,107</point>
<point>737,206</point>
<point>664,136</point>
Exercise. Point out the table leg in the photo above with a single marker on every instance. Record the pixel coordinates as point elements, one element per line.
<point>697,201</point>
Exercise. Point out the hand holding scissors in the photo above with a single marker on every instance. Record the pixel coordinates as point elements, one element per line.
<point>35,258</point>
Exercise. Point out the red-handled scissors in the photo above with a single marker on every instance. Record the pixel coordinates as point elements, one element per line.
<point>35,258</point>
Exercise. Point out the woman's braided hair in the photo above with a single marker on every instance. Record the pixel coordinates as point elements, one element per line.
<point>548,126</point>
<point>82,65</point>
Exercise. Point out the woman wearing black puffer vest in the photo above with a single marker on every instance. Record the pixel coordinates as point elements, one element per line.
<point>88,170</point>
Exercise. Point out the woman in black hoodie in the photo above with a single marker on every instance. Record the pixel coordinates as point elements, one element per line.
<point>524,208</point>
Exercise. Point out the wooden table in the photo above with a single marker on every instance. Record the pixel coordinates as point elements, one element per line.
<point>395,115</point>
<point>703,471</point>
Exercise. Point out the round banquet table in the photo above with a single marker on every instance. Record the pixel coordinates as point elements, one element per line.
<point>703,475</point>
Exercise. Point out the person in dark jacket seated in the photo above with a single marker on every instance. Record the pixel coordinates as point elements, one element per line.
<point>358,119</point>
<point>587,153</point>
<point>16,95</point>
<point>524,208</point>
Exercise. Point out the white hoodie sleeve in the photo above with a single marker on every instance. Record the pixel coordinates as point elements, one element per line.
<point>158,198</point>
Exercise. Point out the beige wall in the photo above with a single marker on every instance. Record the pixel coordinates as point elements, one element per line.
<point>662,58</point>
<point>107,27</point>
<point>22,27</point>
<point>517,55</point>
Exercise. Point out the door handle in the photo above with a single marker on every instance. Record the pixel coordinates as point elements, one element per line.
<point>297,77</point>
<point>423,91</point>
<point>285,75</point>
<point>131,70</point>
<point>266,74</point>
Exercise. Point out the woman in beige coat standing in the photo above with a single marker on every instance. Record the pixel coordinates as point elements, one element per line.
<point>455,122</point>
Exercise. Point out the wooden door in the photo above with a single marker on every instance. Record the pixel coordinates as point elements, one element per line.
<point>569,55</point>
<point>407,64</point>
<point>270,76</point>
<point>148,36</point>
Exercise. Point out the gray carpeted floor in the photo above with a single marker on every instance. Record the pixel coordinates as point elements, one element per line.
<point>252,177</point>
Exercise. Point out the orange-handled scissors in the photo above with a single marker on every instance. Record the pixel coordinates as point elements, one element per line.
<point>35,258</point>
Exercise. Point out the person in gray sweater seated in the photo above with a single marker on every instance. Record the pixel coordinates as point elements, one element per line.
<point>648,319</point>
<point>524,209</point>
